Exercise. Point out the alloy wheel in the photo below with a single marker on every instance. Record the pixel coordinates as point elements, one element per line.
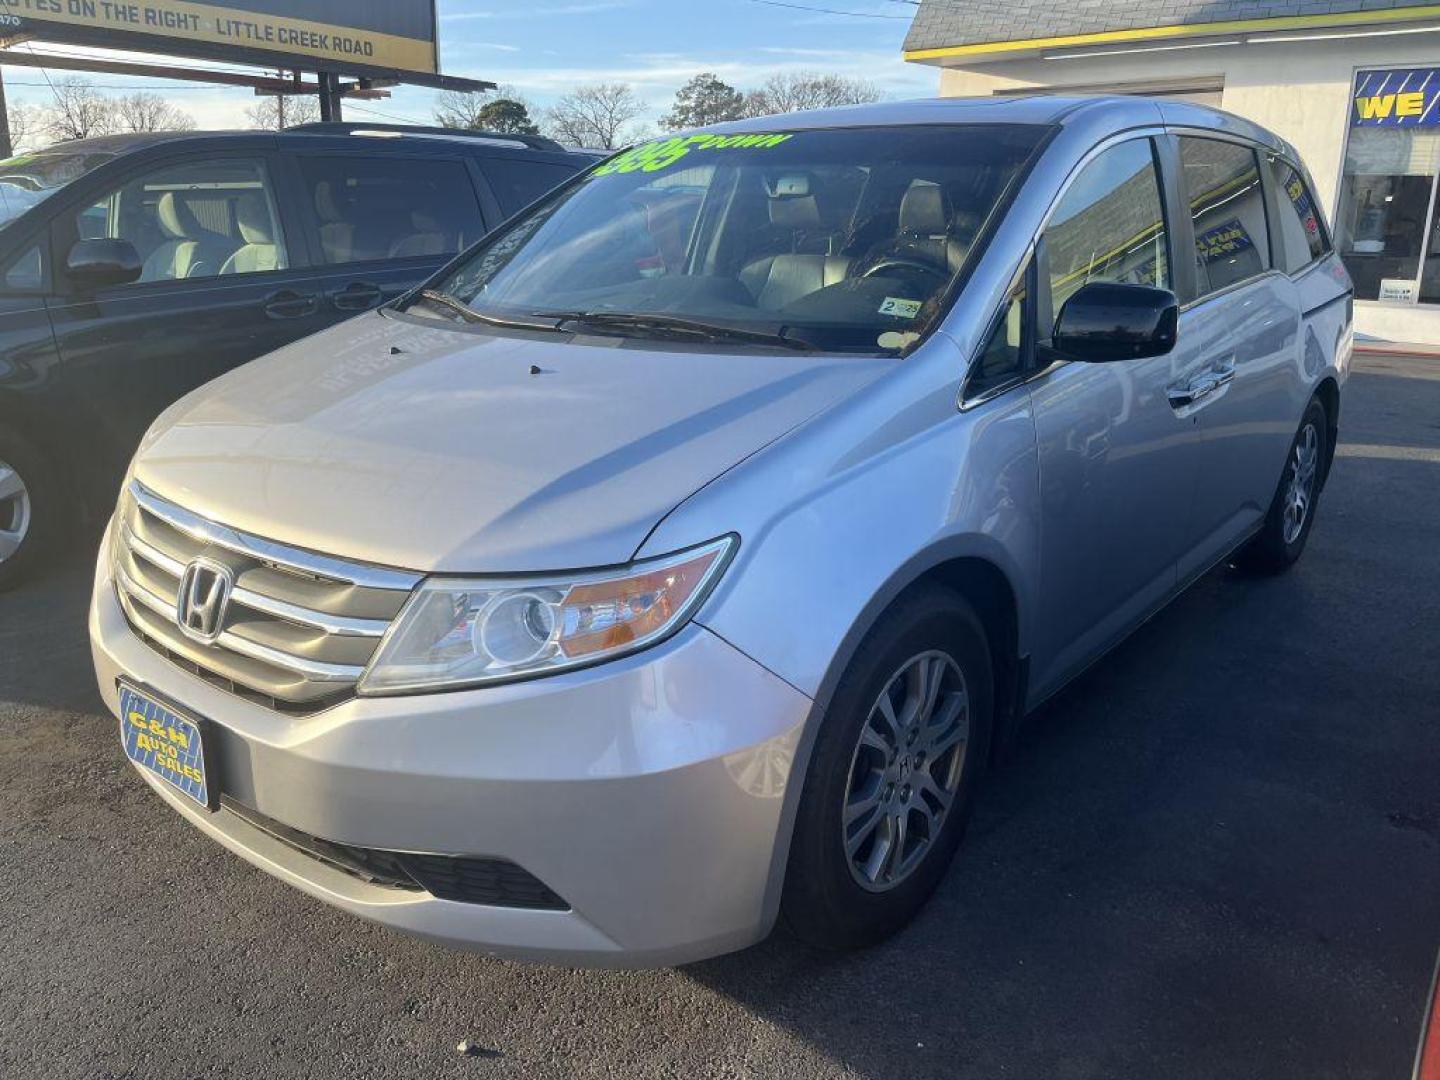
<point>905,771</point>
<point>1300,482</point>
<point>15,516</point>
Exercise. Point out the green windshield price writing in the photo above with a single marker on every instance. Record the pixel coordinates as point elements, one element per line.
<point>662,153</point>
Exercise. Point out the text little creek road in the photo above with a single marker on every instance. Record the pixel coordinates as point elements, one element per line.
<point>174,19</point>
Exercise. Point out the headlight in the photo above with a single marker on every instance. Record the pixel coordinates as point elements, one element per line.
<point>459,632</point>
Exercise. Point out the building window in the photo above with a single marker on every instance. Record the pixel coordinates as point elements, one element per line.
<point>1385,228</point>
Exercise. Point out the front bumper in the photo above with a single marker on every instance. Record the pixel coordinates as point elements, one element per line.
<point>649,793</point>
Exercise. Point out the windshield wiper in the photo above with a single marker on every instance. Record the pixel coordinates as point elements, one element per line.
<point>470,315</point>
<point>675,324</point>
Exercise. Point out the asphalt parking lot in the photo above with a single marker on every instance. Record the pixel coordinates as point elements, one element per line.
<point>1215,855</point>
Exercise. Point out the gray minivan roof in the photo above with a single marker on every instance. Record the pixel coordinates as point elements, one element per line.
<point>1055,109</point>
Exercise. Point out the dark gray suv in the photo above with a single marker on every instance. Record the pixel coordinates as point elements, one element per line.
<point>135,268</point>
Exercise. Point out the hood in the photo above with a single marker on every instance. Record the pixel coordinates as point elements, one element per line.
<point>436,449</point>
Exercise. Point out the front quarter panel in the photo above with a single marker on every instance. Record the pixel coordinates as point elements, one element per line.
<point>838,519</point>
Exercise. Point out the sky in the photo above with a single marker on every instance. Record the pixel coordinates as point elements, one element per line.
<point>546,47</point>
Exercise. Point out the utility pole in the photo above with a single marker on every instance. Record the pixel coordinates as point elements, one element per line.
<point>6,150</point>
<point>330,109</point>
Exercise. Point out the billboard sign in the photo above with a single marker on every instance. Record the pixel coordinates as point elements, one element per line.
<point>1400,97</point>
<point>345,36</point>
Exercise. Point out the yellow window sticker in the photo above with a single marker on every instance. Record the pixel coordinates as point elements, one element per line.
<point>901,309</point>
<point>662,153</point>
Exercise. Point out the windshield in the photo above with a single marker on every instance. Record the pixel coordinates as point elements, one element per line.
<point>29,179</point>
<point>834,239</point>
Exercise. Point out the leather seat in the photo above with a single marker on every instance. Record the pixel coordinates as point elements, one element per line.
<point>261,251</point>
<point>927,230</point>
<point>337,231</point>
<point>428,238</point>
<point>779,280</point>
<point>189,249</point>
<point>776,281</point>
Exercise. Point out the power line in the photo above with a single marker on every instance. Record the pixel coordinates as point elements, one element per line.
<point>828,11</point>
<point>114,86</point>
<point>384,115</point>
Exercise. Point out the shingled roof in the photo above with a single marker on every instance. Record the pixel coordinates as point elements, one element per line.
<point>943,24</point>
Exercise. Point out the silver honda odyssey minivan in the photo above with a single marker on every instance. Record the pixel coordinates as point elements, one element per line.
<point>676,560</point>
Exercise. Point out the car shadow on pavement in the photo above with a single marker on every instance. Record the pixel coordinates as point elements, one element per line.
<point>44,646</point>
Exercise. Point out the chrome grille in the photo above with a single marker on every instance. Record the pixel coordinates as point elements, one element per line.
<point>300,627</point>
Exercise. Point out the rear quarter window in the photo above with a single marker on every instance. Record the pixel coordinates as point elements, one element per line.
<point>518,183</point>
<point>370,209</point>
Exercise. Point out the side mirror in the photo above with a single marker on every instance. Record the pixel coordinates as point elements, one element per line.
<point>98,264</point>
<point>1104,322</point>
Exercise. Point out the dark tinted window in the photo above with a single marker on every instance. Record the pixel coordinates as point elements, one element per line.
<point>1110,226</point>
<point>1228,207</point>
<point>193,219</point>
<point>1003,358</point>
<point>26,273</point>
<point>1299,225</point>
<point>519,183</point>
<point>391,208</point>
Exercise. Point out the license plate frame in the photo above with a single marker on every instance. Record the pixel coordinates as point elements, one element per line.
<point>168,742</point>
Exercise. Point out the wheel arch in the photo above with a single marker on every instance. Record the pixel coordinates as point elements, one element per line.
<point>982,574</point>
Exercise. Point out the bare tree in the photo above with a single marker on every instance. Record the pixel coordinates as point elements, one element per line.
<point>505,110</point>
<point>22,125</point>
<point>786,93</point>
<point>279,112</point>
<point>150,112</point>
<point>79,111</point>
<point>601,116</point>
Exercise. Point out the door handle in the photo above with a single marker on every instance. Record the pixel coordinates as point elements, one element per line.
<point>357,296</point>
<point>288,304</point>
<point>1202,386</point>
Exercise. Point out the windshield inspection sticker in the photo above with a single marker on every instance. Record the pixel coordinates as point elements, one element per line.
<point>662,153</point>
<point>901,309</point>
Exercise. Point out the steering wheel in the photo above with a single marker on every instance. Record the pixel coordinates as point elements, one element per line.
<point>908,268</point>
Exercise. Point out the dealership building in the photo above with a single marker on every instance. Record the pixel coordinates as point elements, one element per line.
<point>1353,84</point>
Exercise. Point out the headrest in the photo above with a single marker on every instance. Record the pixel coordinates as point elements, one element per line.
<point>425,223</point>
<point>923,209</point>
<point>326,204</point>
<point>176,218</point>
<point>788,186</point>
<point>252,215</point>
<point>795,213</point>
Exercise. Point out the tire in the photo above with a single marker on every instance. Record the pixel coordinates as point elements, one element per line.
<point>840,891</point>
<point>1281,540</point>
<point>29,508</point>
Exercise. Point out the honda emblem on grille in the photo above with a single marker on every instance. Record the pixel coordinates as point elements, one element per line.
<point>204,595</point>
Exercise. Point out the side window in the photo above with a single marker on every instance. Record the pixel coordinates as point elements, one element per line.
<point>368,209</point>
<point>26,272</point>
<point>517,183</point>
<point>193,220</point>
<point>1110,226</point>
<point>1003,357</point>
<point>1227,204</point>
<point>1299,225</point>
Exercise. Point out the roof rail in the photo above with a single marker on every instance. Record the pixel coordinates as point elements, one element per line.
<point>534,142</point>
